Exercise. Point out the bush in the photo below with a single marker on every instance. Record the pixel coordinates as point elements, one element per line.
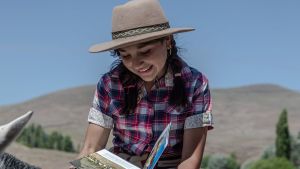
<point>248,164</point>
<point>204,162</point>
<point>222,162</point>
<point>35,136</point>
<point>269,152</point>
<point>295,154</point>
<point>273,163</point>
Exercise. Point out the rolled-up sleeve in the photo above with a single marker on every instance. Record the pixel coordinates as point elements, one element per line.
<point>201,107</point>
<point>100,111</point>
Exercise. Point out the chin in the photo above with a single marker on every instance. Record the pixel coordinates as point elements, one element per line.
<point>148,79</point>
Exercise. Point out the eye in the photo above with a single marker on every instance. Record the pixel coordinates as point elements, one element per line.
<point>125,57</point>
<point>147,52</point>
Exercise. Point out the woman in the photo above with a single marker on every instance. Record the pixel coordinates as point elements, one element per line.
<point>149,86</point>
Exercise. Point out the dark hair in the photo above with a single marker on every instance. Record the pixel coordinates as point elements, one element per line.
<point>128,79</point>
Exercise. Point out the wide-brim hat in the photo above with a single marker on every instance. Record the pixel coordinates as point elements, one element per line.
<point>135,22</point>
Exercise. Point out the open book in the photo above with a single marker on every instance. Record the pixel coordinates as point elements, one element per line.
<point>104,159</point>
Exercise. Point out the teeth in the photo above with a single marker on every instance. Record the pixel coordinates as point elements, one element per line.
<point>144,70</point>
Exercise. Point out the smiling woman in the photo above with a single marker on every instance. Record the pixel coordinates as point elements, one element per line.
<point>149,87</point>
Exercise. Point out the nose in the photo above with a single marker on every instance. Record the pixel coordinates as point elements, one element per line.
<point>137,62</point>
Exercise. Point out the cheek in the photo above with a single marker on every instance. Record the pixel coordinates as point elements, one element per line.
<point>161,63</point>
<point>161,59</point>
<point>127,64</point>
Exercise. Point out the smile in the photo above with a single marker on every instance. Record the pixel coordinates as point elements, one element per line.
<point>145,69</point>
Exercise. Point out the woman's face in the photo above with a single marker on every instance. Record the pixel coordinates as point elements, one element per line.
<point>146,60</point>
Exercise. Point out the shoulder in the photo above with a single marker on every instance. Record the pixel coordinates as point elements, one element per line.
<point>198,81</point>
<point>198,76</point>
<point>110,85</point>
<point>193,75</point>
<point>110,79</point>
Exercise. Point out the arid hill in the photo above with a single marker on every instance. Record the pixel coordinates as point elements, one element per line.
<point>245,120</point>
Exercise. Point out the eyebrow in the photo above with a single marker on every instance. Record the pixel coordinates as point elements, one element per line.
<point>141,45</point>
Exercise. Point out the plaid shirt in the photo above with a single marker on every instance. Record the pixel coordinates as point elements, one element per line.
<point>136,133</point>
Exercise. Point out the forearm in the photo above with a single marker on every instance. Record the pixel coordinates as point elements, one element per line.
<point>191,163</point>
<point>95,139</point>
<point>88,149</point>
<point>193,149</point>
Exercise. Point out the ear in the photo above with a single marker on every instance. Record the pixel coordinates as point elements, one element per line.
<point>11,130</point>
<point>169,41</point>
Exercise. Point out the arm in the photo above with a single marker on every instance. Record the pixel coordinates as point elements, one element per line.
<point>196,126</point>
<point>95,139</point>
<point>100,120</point>
<point>97,136</point>
<point>193,147</point>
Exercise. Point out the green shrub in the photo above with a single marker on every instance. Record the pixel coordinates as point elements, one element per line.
<point>248,164</point>
<point>222,162</point>
<point>204,162</point>
<point>269,152</point>
<point>295,154</point>
<point>273,163</point>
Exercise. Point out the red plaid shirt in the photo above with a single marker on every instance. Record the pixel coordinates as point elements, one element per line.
<point>136,133</point>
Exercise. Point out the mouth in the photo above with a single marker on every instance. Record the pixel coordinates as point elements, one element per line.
<point>145,70</point>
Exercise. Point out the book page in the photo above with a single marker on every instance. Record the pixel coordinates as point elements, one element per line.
<point>102,159</point>
<point>117,159</point>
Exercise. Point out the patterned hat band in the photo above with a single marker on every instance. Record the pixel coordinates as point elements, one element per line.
<point>140,30</point>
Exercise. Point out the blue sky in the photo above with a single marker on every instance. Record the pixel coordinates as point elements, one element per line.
<point>43,44</point>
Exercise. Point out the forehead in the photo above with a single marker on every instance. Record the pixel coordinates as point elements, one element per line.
<point>140,45</point>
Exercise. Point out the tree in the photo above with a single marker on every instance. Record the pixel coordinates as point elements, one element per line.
<point>283,143</point>
<point>41,137</point>
<point>52,142</point>
<point>67,144</point>
<point>59,141</point>
<point>31,135</point>
<point>35,136</point>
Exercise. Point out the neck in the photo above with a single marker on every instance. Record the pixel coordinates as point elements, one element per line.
<point>148,85</point>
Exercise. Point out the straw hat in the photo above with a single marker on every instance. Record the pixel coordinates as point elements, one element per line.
<point>137,21</point>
